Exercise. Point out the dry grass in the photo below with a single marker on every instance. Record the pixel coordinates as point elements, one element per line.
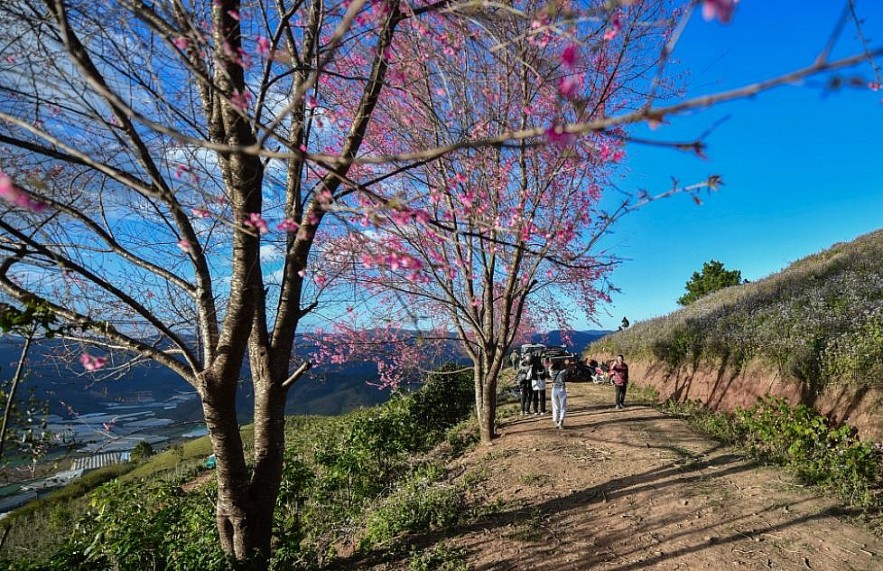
<point>820,320</point>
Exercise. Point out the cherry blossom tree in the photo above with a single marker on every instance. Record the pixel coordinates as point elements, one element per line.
<point>153,151</point>
<point>181,179</point>
<point>484,238</point>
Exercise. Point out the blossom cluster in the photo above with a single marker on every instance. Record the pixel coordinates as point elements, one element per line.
<point>91,362</point>
<point>15,196</point>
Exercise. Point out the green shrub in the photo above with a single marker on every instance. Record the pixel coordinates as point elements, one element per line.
<point>440,558</point>
<point>152,525</point>
<point>801,439</point>
<point>420,503</point>
<point>335,468</point>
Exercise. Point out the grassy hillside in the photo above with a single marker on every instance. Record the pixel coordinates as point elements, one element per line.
<point>819,321</point>
<point>338,470</point>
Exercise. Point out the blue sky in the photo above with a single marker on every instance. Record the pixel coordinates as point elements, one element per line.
<point>801,164</point>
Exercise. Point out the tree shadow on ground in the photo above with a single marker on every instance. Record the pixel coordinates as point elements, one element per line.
<point>674,473</point>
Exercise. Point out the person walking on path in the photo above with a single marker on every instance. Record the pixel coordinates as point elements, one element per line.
<point>538,377</point>
<point>619,374</point>
<point>524,384</point>
<point>558,376</point>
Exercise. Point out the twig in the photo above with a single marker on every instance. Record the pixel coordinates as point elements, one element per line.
<point>305,366</point>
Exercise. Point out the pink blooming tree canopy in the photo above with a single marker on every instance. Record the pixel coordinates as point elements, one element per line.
<point>483,240</point>
<point>166,170</point>
<point>183,181</point>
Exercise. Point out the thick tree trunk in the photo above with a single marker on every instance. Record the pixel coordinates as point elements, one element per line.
<point>247,498</point>
<point>269,447</point>
<point>486,400</point>
<point>241,534</point>
<point>232,476</point>
<point>489,413</point>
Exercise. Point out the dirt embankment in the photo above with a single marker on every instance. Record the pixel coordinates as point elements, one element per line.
<point>723,388</point>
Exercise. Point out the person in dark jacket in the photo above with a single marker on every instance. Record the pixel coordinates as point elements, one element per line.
<point>523,378</point>
<point>538,376</point>
<point>619,374</point>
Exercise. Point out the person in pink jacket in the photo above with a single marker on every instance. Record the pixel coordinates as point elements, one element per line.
<point>619,374</point>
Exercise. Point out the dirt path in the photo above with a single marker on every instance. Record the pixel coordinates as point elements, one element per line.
<point>634,489</point>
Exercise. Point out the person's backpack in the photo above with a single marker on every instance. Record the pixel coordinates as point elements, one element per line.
<point>521,378</point>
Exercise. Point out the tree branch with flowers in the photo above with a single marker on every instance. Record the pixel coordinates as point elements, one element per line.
<point>154,152</point>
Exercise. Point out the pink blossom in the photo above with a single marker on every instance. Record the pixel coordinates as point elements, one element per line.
<point>256,221</point>
<point>568,86</point>
<point>874,85</point>
<point>16,196</point>
<point>720,9</point>
<point>181,169</point>
<point>558,136</point>
<point>287,225</point>
<point>181,43</point>
<point>185,245</point>
<point>570,56</point>
<point>240,99</point>
<point>401,217</point>
<point>611,153</point>
<point>234,56</point>
<point>263,45</point>
<point>421,216</point>
<point>201,212</point>
<point>614,29</point>
<point>91,363</point>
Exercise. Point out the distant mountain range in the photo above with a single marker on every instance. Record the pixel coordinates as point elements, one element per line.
<point>325,390</point>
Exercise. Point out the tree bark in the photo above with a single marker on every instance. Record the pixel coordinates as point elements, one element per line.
<point>486,377</point>
<point>247,498</point>
<point>234,512</point>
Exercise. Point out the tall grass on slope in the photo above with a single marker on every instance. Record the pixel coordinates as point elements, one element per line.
<point>802,440</point>
<point>820,320</point>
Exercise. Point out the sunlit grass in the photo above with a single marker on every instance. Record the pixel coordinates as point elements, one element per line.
<point>820,320</point>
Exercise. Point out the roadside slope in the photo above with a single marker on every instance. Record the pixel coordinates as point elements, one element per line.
<point>812,334</point>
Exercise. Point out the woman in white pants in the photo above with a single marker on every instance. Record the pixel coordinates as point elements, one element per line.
<point>558,376</point>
